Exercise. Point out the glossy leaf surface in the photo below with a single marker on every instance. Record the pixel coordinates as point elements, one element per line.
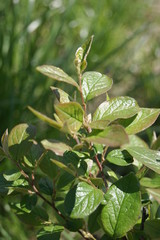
<point>50,233</point>
<point>119,157</point>
<point>57,74</point>
<point>95,84</point>
<point>150,158</point>
<point>123,207</point>
<point>111,136</point>
<point>144,119</point>
<point>18,140</point>
<point>120,107</point>
<point>70,113</point>
<point>82,200</point>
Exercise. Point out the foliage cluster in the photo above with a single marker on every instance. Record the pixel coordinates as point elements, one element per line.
<point>97,183</point>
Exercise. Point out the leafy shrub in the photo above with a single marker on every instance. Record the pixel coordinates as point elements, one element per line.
<point>95,184</point>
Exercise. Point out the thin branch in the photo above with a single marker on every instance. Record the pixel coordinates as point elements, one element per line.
<point>101,171</point>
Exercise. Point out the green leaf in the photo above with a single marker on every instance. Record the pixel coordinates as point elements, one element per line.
<point>46,186</point>
<point>95,84</point>
<point>47,166</point>
<point>57,74</point>
<point>150,182</point>
<point>123,207</point>
<point>155,193</point>
<point>46,119</point>
<point>34,155</point>
<point>4,184</point>
<point>81,55</point>
<point>50,233</point>
<point>18,140</point>
<point>55,146</point>
<point>62,96</point>
<point>99,124</point>
<point>63,166</point>
<point>120,107</point>
<point>111,136</point>
<point>144,119</point>
<point>4,141</point>
<point>28,202</point>
<point>82,200</point>
<point>135,141</point>
<point>13,176</point>
<point>93,224</point>
<point>151,227</point>
<point>72,113</point>
<point>65,181</point>
<point>150,158</point>
<point>2,154</point>
<point>119,157</point>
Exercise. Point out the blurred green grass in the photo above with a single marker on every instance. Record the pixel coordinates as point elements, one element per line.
<point>35,32</point>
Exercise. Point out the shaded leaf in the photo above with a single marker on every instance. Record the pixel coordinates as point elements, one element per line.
<point>28,202</point>
<point>2,154</point>
<point>95,84</point>
<point>123,207</point>
<point>61,95</point>
<point>4,141</point>
<point>156,144</point>
<point>34,155</point>
<point>57,74</point>
<point>46,119</point>
<point>82,200</point>
<point>119,157</point>
<point>63,166</point>
<point>120,107</point>
<point>4,184</point>
<point>144,119</point>
<point>111,136</point>
<point>47,166</point>
<point>72,113</point>
<point>18,140</point>
<point>55,146</point>
<point>150,158</point>
<point>46,186</point>
<point>150,182</point>
<point>50,232</point>
<point>151,227</point>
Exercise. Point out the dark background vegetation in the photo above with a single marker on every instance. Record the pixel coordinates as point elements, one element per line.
<point>34,32</point>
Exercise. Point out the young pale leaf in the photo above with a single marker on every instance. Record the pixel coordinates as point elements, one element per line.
<point>50,233</point>
<point>119,157</point>
<point>57,74</point>
<point>63,166</point>
<point>95,84</point>
<point>150,182</point>
<point>150,158</point>
<point>144,119</point>
<point>155,193</point>
<point>62,96</point>
<point>18,140</point>
<point>46,119</point>
<point>55,146</point>
<point>99,124</point>
<point>113,136</point>
<point>81,55</point>
<point>82,200</point>
<point>120,107</point>
<point>13,176</point>
<point>72,113</point>
<point>123,207</point>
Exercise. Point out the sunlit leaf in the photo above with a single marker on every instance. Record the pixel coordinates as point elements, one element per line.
<point>57,147</point>
<point>99,124</point>
<point>95,84</point>
<point>150,158</point>
<point>123,207</point>
<point>111,136</point>
<point>82,200</point>
<point>18,140</point>
<point>145,118</point>
<point>62,96</point>
<point>57,74</point>
<point>150,182</point>
<point>119,157</point>
<point>72,113</point>
<point>46,119</point>
<point>120,107</point>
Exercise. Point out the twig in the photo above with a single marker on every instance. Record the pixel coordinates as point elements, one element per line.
<point>101,171</point>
